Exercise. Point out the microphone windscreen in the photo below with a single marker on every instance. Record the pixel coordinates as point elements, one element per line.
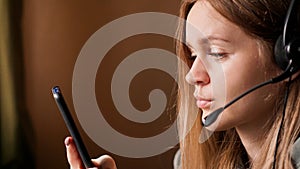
<point>212,117</point>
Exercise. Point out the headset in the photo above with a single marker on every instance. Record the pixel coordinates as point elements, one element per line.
<point>287,55</point>
<point>287,47</point>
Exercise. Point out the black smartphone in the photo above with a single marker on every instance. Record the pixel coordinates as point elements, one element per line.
<point>64,110</point>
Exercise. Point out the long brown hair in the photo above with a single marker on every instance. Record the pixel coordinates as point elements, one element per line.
<point>263,20</point>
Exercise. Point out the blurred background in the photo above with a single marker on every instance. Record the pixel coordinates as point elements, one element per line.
<point>40,41</point>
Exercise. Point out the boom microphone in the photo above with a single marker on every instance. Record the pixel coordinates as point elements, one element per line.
<point>211,118</point>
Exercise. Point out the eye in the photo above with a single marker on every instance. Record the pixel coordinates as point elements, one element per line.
<point>191,54</point>
<point>216,53</point>
<point>192,57</point>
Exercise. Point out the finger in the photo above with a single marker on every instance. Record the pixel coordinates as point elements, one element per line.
<point>72,154</point>
<point>105,161</point>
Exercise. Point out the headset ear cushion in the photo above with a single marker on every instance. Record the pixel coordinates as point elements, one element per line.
<point>293,50</point>
<point>280,53</point>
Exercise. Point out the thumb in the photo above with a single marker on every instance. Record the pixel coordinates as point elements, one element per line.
<point>105,161</point>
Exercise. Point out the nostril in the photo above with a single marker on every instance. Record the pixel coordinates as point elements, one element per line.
<point>200,78</point>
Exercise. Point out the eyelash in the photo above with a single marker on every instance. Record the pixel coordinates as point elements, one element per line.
<point>217,55</point>
<point>192,57</point>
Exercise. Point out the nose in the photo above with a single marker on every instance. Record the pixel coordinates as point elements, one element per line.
<point>198,74</point>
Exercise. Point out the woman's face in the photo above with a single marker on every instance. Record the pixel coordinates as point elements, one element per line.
<point>226,63</point>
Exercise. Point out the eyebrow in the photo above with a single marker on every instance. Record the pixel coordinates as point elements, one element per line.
<point>216,38</point>
<point>207,40</point>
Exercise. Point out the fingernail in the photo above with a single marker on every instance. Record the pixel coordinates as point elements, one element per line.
<point>67,141</point>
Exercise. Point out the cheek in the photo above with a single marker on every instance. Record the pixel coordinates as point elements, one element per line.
<point>256,105</point>
<point>234,77</point>
<point>255,108</point>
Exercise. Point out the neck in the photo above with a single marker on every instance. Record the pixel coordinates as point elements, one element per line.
<point>252,139</point>
<point>251,142</point>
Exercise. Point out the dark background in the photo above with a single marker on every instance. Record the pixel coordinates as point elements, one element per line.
<point>53,33</point>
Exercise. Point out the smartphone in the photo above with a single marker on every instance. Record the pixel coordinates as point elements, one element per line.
<point>64,110</point>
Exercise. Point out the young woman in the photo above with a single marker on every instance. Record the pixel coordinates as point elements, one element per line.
<point>238,38</point>
<point>242,35</point>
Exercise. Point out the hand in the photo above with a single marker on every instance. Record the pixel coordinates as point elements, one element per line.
<point>103,162</point>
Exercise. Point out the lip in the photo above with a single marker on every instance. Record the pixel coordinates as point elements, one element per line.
<point>203,103</point>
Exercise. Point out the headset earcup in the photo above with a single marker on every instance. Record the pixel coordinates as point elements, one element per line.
<point>280,53</point>
<point>293,51</point>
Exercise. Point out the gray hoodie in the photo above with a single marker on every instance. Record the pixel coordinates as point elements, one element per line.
<point>295,156</point>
